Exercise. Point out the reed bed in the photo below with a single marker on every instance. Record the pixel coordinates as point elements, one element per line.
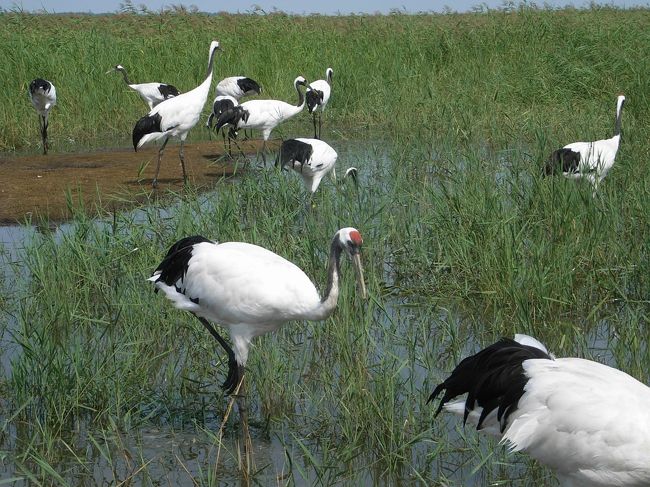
<point>449,120</point>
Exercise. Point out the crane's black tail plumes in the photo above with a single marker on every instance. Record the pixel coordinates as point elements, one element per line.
<point>174,265</point>
<point>148,124</point>
<point>292,151</point>
<point>249,86</point>
<point>493,378</point>
<point>168,91</point>
<point>232,116</point>
<point>314,99</point>
<point>562,160</point>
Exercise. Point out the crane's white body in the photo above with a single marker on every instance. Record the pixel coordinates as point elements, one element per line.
<point>265,115</point>
<point>230,87</point>
<point>179,114</point>
<point>43,100</point>
<point>596,159</point>
<point>322,162</point>
<point>150,93</point>
<point>247,289</point>
<point>325,88</point>
<point>588,422</point>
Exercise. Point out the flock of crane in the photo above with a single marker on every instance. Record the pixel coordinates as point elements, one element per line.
<point>587,421</point>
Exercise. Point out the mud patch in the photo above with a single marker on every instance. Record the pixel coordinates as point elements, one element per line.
<point>38,185</point>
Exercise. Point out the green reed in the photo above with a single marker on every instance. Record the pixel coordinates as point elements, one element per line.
<point>449,120</point>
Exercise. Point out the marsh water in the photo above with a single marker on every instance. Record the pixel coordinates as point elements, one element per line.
<point>416,340</point>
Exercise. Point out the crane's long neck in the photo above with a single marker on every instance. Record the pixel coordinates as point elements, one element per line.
<point>619,114</point>
<point>126,77</point>
<point>204,88</point>
<point>331,296</point>
<point>301,97</point>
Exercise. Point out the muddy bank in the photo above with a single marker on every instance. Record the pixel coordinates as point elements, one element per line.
<point>42,185</point>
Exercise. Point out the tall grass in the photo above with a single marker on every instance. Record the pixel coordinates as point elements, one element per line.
<point>449,120</point>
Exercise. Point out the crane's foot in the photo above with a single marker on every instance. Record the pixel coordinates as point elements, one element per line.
<point>232,381</point>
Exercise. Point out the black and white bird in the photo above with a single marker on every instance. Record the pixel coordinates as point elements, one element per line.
<point>263,115</point>
<point>588,422</point>
<point>221,104</point>
<point>590,160</point>
<point>174,117</point>
<point>249,290</point>
<point>318,94</point>
<point>313,159</point>
<point>43,96</point>
<point>237,87</point>
<point>151,93</point>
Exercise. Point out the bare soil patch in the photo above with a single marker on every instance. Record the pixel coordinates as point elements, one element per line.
<point>43,185</point>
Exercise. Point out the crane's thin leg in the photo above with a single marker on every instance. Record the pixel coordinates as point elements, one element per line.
<point>181,154</point>
<point>160,154</point>
<point>320,123</point>
<point>264,152</point>
<point>243,415</point>
<point>234,371</point>
<point>314,120</point>
<point>44,133</point>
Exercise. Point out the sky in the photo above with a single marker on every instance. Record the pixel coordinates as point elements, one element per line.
<point>328,7</point>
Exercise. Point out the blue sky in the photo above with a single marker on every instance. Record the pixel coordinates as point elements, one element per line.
<point>291,6</point>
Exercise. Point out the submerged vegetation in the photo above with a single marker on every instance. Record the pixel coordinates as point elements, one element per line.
<point>449,119</point>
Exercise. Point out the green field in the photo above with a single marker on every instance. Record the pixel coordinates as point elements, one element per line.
<point>449,119</point>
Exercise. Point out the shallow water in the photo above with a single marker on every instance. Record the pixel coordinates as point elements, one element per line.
<point>418,343</point>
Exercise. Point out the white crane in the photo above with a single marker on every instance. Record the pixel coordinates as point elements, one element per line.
<point>318,94</point>
<point>151,93</point>
<point>43,96</point>
<point>263,115</point>
<point>588,422</point>
<point>590,160</point>
<point>174,117</point>
<point>311,158</point>
<point>249,290</point>
<point>237,87</point>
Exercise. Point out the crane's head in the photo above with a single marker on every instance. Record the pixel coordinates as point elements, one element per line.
<point>349,239</point>
<point>214,45</point>
<point>299,81</point>
<point>117,67</point>
<point>329,73</point>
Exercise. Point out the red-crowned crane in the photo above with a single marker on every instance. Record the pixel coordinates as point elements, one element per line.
<point>151,93</point>
<point>174,117</point>
<point>263,115</point>
<point>249,290</point>
<point>221,104</point>
<point>318,94</point>
<point>588,422</point>
<point>590,160</point>
<point>311,158</point>
<point>43,96</point>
